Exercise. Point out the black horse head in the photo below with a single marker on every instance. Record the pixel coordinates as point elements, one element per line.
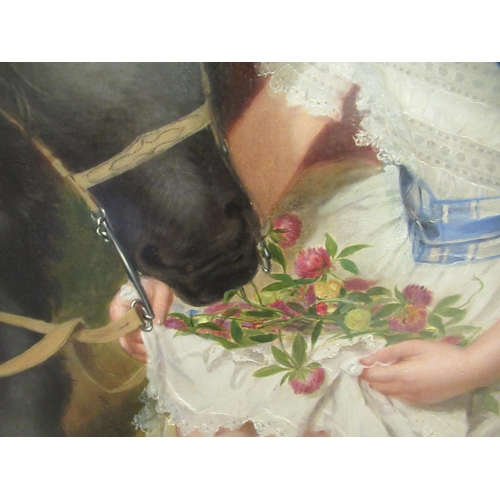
<point>185,221</point>
<point>182,216</point>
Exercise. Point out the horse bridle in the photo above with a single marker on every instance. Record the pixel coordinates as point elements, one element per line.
<point>141,150</point>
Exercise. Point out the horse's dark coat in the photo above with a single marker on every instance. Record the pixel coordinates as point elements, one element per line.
<point>32,402</point>
<point>182,216</point>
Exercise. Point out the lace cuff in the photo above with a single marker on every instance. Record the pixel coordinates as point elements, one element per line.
<point>318,87</point>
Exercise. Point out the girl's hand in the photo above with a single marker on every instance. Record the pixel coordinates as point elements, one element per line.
<point>422,371</point>
<point>160,296</point>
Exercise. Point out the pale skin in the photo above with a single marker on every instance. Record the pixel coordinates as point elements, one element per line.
<point>160,296</point>
<point>417,371</point>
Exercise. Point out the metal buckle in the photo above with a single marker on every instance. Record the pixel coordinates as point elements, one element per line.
<point>264,255</point>
<point>104,231</point>
<point>147,319</point>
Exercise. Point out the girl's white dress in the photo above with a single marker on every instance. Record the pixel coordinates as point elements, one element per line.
<point>436,225</point>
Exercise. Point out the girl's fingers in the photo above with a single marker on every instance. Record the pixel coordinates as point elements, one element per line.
<point>395,353</point>
<point>389,354</point>
<point>118,307</point>
<point>161,301</point>
<point>133,344</point>
<point>161,297</point>
<point>393,390</point>
<point>136,349</point>
<point>381,374</point>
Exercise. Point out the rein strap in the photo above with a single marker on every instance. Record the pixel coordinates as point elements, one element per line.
<point>58,335</point>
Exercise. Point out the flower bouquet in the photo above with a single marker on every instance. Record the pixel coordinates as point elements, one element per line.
<point>324,298</point>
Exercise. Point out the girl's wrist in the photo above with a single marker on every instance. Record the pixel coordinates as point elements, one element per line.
<point>482,365</point>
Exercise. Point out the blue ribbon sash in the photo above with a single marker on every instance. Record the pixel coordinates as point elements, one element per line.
<point>449,231</point>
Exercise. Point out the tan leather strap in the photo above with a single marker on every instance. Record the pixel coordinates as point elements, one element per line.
<point>141,150</point>
<point>146,147</point>
<point>57,335</point>
<point>56,164</point>
<point>94,364</point>
<point>133,381</point>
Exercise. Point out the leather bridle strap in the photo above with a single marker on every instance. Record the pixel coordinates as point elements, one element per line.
<point>146,147</point>
<point>141,150</point>
<point>58,335</point>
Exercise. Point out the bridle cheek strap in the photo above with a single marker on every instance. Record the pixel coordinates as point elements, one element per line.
<point>143,148</point>
<point>146,147</point>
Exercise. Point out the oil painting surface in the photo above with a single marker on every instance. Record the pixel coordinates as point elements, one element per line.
<point>321,254</point>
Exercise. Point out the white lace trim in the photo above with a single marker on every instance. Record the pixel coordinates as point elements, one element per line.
<point>443,115</point>
<point>165,406</point>
<point>414,123</point>
<point>310,85</point>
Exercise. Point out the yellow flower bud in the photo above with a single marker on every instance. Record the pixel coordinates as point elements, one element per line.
<point>327,289</point>
<point>357,319</point>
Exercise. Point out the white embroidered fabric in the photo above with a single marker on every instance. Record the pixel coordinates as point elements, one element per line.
<point>204,386</point>
<point>438,115</point>
<point>199,386</point>
<point>314,86</point>
<point>216,389</point>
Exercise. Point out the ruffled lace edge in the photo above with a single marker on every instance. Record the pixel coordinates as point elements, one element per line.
<point>397,137</point>
<point>167,409</point>
<point>306,84</point>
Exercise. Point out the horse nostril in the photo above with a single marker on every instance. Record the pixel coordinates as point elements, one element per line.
<point>232,209</point>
